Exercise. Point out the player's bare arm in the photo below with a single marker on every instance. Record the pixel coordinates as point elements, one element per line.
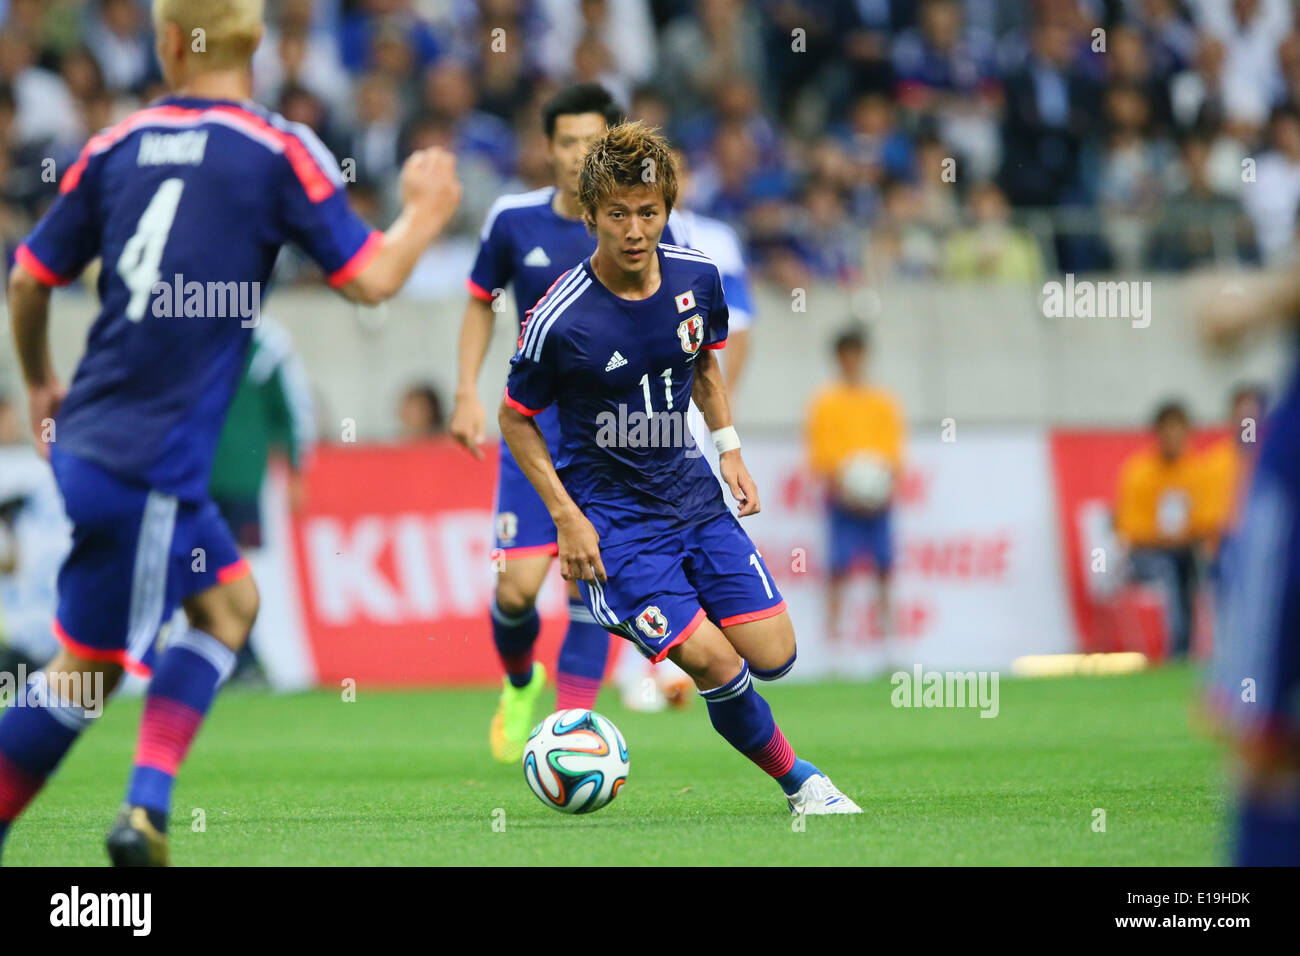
<point>430,195</point>
<point>1234,306</point>
<point>29,306</point>
<point>469,417</point>
<point>579,544</point>
<point>710,397</point>
<point>737,357</point>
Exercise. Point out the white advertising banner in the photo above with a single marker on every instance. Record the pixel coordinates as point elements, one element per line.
<point>977,562</point>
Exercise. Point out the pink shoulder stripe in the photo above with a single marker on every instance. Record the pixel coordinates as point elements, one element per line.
<point>43,273</point>
<point>315,180</point>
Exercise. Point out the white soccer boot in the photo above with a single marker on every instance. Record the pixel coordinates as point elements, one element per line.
<point>819,796</point>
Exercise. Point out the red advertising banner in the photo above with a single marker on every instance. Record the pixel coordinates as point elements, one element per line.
<point>393,557</point>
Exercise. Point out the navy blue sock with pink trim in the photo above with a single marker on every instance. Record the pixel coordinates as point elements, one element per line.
<point>581,664</point>
<point>744,719</point>
<point>185,682</point>
<point>36,733</point>
<point>514,636</point>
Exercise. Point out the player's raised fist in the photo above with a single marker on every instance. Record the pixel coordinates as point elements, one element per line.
<point>429,182</point>
<point>1224,310</point>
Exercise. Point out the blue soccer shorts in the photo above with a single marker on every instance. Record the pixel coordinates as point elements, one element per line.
<point>660,586</point>
<point>137,553</point>
<point>855,537</point>
<point>523,526</point>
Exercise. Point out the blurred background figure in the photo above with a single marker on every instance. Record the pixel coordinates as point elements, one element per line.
<point>271,415</point>
<point>855,438</point>
<point>1227,464</point>
<point>991,247</point>
<point>719,242</point>
<point>1161,519</point>
<point>34,538</point>
<point>1273,206</point>
<point>420,413</point>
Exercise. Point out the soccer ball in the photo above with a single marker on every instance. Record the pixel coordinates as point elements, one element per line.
<point>867,482</point>
<point>575,761</point>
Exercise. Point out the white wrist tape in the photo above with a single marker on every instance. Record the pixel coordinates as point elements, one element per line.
<point>725,439</point>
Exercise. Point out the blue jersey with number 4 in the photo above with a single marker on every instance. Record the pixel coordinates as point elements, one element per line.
<point>621,373</point>
<point>187,202</point>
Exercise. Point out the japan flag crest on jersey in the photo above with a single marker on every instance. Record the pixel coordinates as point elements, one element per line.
<point>652,622</point>
<point>691,332</point>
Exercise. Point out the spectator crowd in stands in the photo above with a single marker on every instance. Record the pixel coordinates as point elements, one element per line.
<point>846,140</point>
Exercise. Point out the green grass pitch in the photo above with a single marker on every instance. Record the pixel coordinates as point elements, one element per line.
<point>401,777</point>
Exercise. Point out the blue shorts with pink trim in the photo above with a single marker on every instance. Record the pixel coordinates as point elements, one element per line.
<point>523,526</point>
<point>663,582</point>
<point>136,555</point>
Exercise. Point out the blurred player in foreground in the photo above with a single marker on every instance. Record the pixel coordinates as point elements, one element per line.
<point>855,437</point>
<point>644,686</point>
<point>1255,678</point>
<point>621,345</point>
<point>205,186</point>
<point>528,241</point>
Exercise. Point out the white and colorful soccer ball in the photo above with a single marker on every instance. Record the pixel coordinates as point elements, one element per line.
<point>867,481</point>
<point>576,761</point>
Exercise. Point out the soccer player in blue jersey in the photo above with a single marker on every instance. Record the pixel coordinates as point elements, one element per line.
<point>621,345</point>
<point>196,192</point>
<point>647,686</point>
<point>528,241</point>
<point>1255,675</point>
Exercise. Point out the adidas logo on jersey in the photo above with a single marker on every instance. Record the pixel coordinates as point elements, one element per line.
<point>615,361</point>
<point>537,257</point>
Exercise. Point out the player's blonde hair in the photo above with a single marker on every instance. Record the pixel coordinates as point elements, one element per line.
<point>230,29</point>
<point>629,154</point>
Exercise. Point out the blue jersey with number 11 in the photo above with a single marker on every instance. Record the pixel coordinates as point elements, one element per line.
<point>621,373</point>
